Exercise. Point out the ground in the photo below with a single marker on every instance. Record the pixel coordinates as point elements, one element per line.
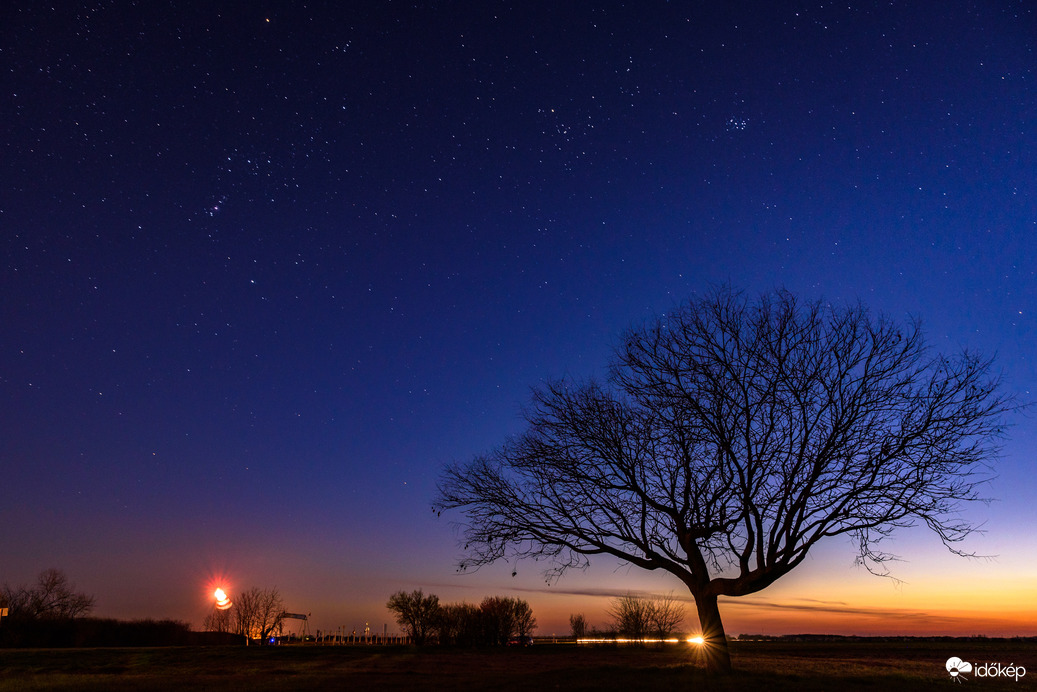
<point>798,666</point>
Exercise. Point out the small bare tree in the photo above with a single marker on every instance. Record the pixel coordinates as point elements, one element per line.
<point>665,614</point>
<point>578,625</point>
<point>217,621</point>
<point>638,616</point>
<point>416,612</point>
<point>525,623</point>
<point>52,597</point>
<point>731,438</point>
<point>631,616</point>
<point>258,613</point>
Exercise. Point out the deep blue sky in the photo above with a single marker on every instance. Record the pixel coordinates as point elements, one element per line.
<point>265,269</point>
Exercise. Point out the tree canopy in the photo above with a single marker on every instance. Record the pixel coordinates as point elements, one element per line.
<point>730,437</point>
<point>416,612</point>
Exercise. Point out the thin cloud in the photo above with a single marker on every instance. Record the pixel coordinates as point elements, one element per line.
<point>803,605</point>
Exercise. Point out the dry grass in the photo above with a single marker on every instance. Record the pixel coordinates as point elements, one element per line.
<point>874,666</point>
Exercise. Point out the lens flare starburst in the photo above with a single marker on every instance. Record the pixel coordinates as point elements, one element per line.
<point>223,601</point>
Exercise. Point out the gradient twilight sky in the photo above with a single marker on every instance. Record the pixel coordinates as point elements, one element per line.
<point>265,269</point>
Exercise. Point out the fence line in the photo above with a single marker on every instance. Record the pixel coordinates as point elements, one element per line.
<point>342,637</point>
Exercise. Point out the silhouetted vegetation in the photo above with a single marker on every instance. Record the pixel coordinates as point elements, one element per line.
<point>79,632</point>
<point>459,624</point>
<point>52,597</point>
<point>637,617</point>
<point>44,613</point>
<point>578,625</point>
<point>504,618</point>
<point>50,614</point>
<point>731,437</point>
<point>258,613</point>
<point>497,621</point>
<point>415,612</point>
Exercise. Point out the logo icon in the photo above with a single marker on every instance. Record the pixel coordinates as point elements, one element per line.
<point>956,667</point>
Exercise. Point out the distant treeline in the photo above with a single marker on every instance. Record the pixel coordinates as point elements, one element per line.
<point>81,632</point>
<point>497,621</point>
<point>50,613</point>
<point>857,638</point>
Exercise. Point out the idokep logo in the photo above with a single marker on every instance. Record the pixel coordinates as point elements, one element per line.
<point>957,669</point>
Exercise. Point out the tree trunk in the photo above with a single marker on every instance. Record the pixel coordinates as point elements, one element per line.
<point>714,649</point>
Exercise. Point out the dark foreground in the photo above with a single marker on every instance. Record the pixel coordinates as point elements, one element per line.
<point>802,667</point>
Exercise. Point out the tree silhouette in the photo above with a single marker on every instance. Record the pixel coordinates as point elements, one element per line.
<point>731,436</point>
<point>416,612</point>
<point>578,625</point>
<point>636,616</point>
<point>631,616</point>
<point>525,623</point>
<point>666,614</point>
<point>52,597</point>
<point>504,618</point>
<point>258,613</point>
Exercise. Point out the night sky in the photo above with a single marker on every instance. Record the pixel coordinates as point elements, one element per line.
<point>264,270</point>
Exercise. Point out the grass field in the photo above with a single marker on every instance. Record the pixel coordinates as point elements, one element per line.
<point>874,666</point>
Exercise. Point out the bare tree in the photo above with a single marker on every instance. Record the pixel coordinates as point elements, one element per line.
<point>731,437</point>
<point>494,621</point>
<point>631,616</point>
<point>416,612</point>
<point>525,623</point>
<point>459,624</point>
<point>258,613</point>
<point>665,615</point>
<point>504,618</point>
<point>498,618</point>
<point>52,597</point>
<point>217,621</point>
<point>578,625</point>
<point>638,616</point>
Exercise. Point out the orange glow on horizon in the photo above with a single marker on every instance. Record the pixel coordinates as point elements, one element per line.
<point>871,617</point>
